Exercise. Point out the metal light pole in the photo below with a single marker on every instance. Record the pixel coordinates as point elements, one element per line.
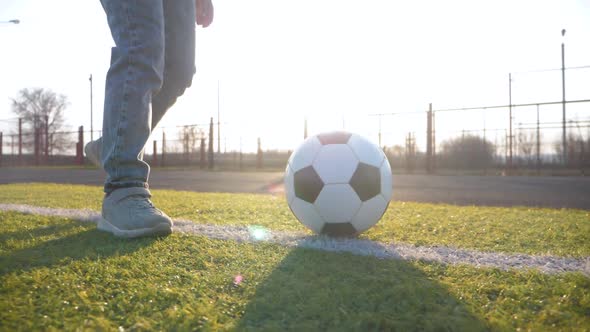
<point>563,97</point>
<point>510,115</point>
<point>91,122</point>
<point>538,141</point>
<point>218,123</point>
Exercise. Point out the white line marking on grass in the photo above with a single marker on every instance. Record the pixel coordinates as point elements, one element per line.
<point>440,254</point>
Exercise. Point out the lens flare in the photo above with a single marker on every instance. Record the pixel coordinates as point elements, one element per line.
<point>238,279</point>
<point>258,233</point>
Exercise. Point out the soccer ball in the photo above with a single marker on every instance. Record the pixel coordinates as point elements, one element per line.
<point>338,183</point>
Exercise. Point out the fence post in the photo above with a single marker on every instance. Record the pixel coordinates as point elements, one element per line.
<point>20,141</point>
<point>1,145</point>
<point>407,153</point>
<point>155,154</point>
<point>429,140</point>
<point>46,139</point>
<point>410,152</point>
<point>210,152</point>
<point>81,139</point>
<point>202,161</point>
<point>36,140</point>
<point>241,155</point>
<point>80,146</point>
<point>186,147</point>
<point>163,162</point>
<point>77,158</point>
<point>433,141</point>
<point>259,162</point>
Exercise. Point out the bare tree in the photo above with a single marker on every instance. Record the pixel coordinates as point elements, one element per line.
<point>526,145</point>
<point>189,135</point>
<point>558,148</point>
<point>42,110</point>
<point>578,154</point>
<point>395,155</point>
<point>467,152</point>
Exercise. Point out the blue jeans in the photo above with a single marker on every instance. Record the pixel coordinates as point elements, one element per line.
<point>152,64</point>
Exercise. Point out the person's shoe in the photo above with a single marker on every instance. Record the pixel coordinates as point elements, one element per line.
<point>128,212</point>
<point>92,151</point>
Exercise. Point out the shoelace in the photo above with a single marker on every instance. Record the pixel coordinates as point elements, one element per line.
<point>141,202</point>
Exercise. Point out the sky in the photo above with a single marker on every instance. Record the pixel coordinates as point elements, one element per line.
<point>334,62</point>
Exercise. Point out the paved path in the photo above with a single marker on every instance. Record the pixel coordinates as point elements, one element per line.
<point>572,192</point>
<point>191,180</point>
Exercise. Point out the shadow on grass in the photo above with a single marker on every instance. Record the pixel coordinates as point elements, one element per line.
<point>37,232</point>
<point>313,290</point>
<point>89,243</point>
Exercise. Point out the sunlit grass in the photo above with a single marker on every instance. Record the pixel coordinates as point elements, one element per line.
<point>61,274</point>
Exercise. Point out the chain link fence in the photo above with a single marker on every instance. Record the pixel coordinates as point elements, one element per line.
<point>474,139</point>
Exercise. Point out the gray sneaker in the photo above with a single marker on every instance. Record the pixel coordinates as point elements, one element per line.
<point>92,151</point>
<point>128,212</point>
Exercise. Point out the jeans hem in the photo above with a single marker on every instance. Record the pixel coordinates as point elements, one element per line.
<point>110,187</point>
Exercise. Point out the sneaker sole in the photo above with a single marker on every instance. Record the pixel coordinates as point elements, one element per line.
<point>158,230</point>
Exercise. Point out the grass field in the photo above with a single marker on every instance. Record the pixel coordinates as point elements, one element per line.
<point>57,273</point>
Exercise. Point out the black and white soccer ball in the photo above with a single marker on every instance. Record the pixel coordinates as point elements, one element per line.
<point>338,183</point>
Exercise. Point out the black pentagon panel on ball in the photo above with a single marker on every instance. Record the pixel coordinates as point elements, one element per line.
<point>308,184</point>
<point>366,181</point>
<point>342,229</point>
<point>335,137</point>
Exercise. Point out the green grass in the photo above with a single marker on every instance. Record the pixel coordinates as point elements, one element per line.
<point>58,274</point>
<point>560,232</point>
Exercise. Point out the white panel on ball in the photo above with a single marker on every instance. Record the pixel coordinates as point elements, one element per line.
<point>307,214</point>
<point>386,180</point>
<point>369,213</point>
<point>337,203</point>
<point>289,184</point>
<point>335,163</point>
<point>366,151</point>
<point>304,155</point>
